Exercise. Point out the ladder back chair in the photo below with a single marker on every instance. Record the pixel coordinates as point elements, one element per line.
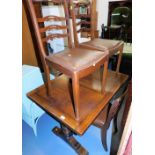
<point>84,22</point>
<point>113,46</point>
<point>76,63</point>
<point>40,30</point>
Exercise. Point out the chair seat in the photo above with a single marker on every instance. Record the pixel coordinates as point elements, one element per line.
<point>103,44</point>
<point>76,59</point>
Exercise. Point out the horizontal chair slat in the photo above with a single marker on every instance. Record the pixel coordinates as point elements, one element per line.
<point>52,27</point>
<point>53,1</point>
<point>83,15</point>
<point>84,30</point>
<point>52,36</point>
<point>81,4</point>
<point>83,22</point>
<point>51,18</point>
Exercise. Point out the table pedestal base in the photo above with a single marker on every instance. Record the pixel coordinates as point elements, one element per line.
<point>67,135</point>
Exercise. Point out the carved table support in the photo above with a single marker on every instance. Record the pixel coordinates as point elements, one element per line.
<point>67,135</point>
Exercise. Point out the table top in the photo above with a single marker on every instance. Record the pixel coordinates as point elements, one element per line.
<point>92,102</point>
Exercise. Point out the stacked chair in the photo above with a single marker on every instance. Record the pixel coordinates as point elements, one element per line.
<point>78,97</point>
<point>113,46</point>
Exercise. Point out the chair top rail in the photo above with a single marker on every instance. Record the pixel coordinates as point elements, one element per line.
<point>50,18</point>
<point>53,1</point>
<point>52,27</point>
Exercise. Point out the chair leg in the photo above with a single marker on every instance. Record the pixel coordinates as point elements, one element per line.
<point>75,85</point>
<point>119,59</point>
<point>127,105</point>
<point>112,112</point>
<point>47,80</point>
<point>104,76</point>
<point>115,123</point>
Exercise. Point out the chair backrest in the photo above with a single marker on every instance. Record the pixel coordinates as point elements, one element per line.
<point>111,114</point>
<point>84,12</point>
<point>121,15</point>
<point>40,29</point>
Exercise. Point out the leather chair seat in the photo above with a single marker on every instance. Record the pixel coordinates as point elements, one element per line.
<point>76,59</point>
<point>103,44</point>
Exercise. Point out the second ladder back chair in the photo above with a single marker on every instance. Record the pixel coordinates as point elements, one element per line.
<point>84,19</point>
<point>113,46</point>
<point>76,63</point>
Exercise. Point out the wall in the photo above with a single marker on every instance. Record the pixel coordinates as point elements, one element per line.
<point>28,51</point>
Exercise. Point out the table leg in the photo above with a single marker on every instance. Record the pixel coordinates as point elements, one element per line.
<point>67,135</point>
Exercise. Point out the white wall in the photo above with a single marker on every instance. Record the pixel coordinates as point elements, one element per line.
<point>102,8</point>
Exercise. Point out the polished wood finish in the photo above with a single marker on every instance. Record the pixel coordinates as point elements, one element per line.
<point>60,103</point>
<point>52,36</point>
<point>72,98</point>
<point>88,6</point>
<point>74,62</point>
<point>56,27</point>
<point>76,96</point>
<point>111,115</point>
<point>95,43</point>
<point>127,105</point>
<point>78,63</point>
<point>120,49</point>
<point>50,18</point>
<point>104,78</point>
<point>86,18</point>
<point>42,50</point>
<point>110,112</point>
<point>53,1</point>
<point>102,117</point>
<point>65,134</point>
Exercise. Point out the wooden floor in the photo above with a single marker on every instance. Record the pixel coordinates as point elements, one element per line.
<point>60,105</point>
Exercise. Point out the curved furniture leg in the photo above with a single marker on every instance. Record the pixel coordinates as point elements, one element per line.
<point>112,113</point>
<point>113,110</point>
<point>115,124</point>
